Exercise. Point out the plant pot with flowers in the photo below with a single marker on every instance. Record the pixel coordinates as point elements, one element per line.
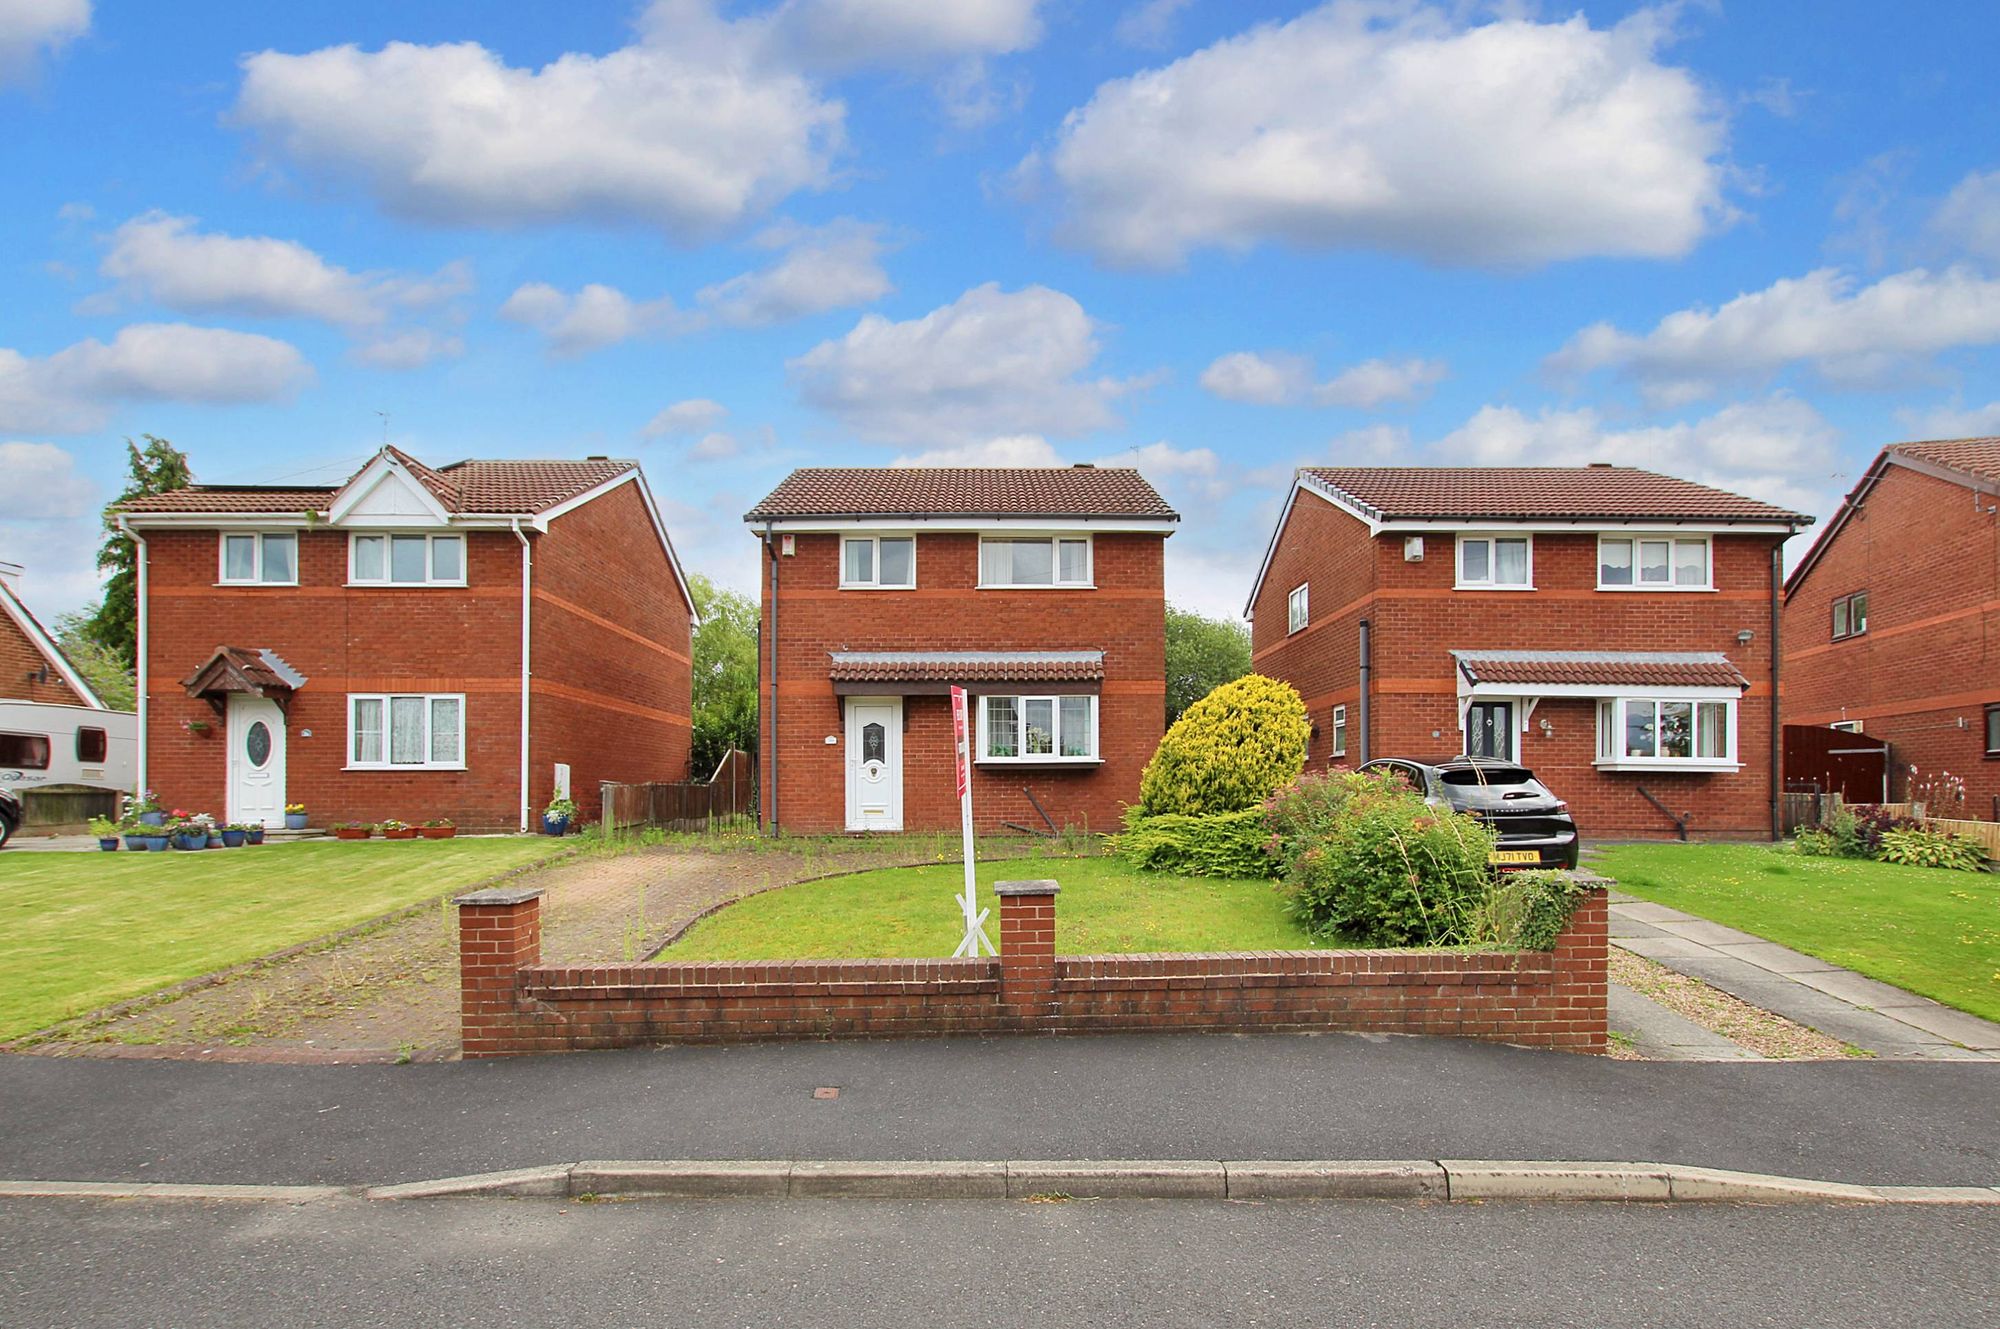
<point>557,816</point>
<point>295,816</point>
<point>352,830</point>
<point>144,808</point>
<point>235,835</point>
<point>398,830</point>
<point>138,837</point>
<point>183,832</point>
<point>253,833</point>
<point>106,831</point>
<point>439,828</point>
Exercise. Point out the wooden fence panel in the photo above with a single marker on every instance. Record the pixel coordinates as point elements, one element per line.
<point>684,805</point>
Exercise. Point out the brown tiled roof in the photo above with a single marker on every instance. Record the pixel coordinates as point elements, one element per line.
<point>1975,456</point>
<point>939,491</point>
<point>243,669</point>
<point>1618,669</point>
<point>501,488</point>
<point>1525,493</point>
<point>965,666</point>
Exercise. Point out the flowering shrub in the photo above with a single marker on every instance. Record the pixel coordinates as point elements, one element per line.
<point>1229,751</point>
<point>1941,792</point>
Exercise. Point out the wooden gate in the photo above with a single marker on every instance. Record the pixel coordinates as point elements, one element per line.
<point>1820,760</point>
<point>725,798</point>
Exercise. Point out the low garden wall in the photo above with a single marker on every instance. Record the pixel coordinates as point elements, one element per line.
<point>512,1004</point>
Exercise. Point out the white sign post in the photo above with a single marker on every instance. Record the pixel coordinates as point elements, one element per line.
<point>975,940</point>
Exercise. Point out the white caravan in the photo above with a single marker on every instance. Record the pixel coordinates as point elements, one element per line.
<point>43,744</point>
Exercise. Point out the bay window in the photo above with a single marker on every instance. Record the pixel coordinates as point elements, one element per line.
<point>1495,563</point>
<point>406,560</point>
<point>1038,729</point>
<point>1666,732</point>
<point>878,562</point>
<point>1037,561</point>
<point>1653,563</point>
<point>399,731</point>
<point>260,558</point>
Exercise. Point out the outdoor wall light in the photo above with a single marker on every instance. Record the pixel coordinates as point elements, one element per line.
<point>1548,730</point>
<point>1745,637</point>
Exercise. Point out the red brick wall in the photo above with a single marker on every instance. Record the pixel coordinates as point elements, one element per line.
<point>1125,617</point>
<point>1923,673</point>
<point>1544,999</point>
<point>20,657</point>
<point>1418,619</point>
<point>611,653</point>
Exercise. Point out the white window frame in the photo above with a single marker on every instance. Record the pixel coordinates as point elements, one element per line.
<point>1671,538</point>
<point>1846,726</point>
<point>1843,606</point>
<point>388,741</point>
<point>222,577</point>
<point>1022,757</point>
<point>430,558</point>
<point>1055,543</point>
<point>1488,538</point>
<point>1611,716</point>
<point>1298,608</point>
<point>1339,725</point>
<point>875,562</point>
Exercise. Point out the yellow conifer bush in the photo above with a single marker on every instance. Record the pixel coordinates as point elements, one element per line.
<point>1229,751</point>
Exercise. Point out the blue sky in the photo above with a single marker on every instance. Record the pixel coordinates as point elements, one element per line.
<point>1745,243</point>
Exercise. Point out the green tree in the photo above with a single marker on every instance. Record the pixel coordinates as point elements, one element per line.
<point>725,675</point>
<point>114,626</point>
<point>1202,655</point>
<point>101,668</point>
<point>1229,752</point>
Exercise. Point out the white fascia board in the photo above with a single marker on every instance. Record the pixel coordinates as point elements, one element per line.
<point>51,652</point>
<point>372,476</point>
<point>220,521</point>
<point>1583,526</point>
<point>1010,525</point>
<point>1271,549</point>
<point>630,476</point>
<point>1603,691</point>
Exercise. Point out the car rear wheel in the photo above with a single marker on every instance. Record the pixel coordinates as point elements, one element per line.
<point>6,832</point>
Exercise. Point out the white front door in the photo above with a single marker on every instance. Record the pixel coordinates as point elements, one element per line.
<point>874,763</point>
<point>256,760</point>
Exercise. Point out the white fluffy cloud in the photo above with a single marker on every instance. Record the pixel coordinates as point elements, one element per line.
<point>692,416</point>
<point>1275,378</point>
<point>593,317</point>
<point>1969,217</point>
<point>1399,128</point>
<point>1149,24</point>
<point>410,349</point>
<point>42,485</point>
<point>1778,448</point>
<point>72,390</point>
<point>1011,450</point>
<point>1844,331</point>
<point>990,364</point>
<point>30,27</point>
<point>844,35</point>
<point>1952,421</point>
<point>835,266</point>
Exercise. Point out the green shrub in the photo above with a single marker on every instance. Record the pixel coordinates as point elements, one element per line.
<point>1529,910</point>
<point>1229,751</point>
<point>1815,843</point>
<point>1367,859</point>
<point>1227,844</point>
<point>1919,848</point>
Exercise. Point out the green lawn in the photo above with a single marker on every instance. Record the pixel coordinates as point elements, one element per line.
<point>80,931</point>
<point>1105,908</point>
<point>1930,932</point>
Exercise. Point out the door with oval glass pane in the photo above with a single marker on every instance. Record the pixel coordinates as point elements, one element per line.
<point>256,731</point>
<point>1489,730</point>
<point>875,763</point>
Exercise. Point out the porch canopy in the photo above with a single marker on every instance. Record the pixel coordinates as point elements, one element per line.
<point>915,673</point>
<point>1699,675</point>
<point>254,670</point>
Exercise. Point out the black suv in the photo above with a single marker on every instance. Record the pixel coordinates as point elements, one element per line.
<point>1535,828</point>
<point>10,815</point>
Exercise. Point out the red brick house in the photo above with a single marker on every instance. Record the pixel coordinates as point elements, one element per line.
<point>32,667</point>
<point>1041,591</point>
<point>1609,627</point>
<point>414,643</point>
<point>1891,618</point>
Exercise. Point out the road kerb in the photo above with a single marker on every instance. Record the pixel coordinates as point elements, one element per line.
<point>682,1178</point>
<point>517,1182</point>
<point>901,1180</point>
<point>1495,1179</point>
<point>1354,1179</point>
<point>168,1190</point>
<point>1111,1179</point>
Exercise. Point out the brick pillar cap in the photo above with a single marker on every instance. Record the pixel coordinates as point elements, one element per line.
<point>1038,886</point>
<point>501,895</point>
<point>1585,877</point>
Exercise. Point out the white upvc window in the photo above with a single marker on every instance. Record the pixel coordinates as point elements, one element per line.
<point>1298,612</point>
<point>1667,733</point>
<point>406,731</point>
<point>1655,563</point>
<point>260,558</point>
<point>1038,729</point>
<point>406,560</point>
<point>1340,731</point>
<point>1496,563</point>
<point>878,562</point>
<point>1043,560</point>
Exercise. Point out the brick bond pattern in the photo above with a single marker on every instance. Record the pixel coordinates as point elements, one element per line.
<point>20,657</point>
<point>512,1005</point>
<point>1930,660</point>
<point>1418,620</point>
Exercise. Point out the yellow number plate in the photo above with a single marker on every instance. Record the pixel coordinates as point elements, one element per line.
<point>1513,856</point>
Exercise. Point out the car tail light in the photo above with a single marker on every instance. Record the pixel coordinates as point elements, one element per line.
<point>1562,805</point>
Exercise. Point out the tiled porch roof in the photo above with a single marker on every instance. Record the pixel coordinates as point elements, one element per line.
<point>1616,669</point>
<point>250,669</point>
<point>966,666</point>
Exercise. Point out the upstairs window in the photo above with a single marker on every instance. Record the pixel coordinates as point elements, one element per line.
<point>1340,731</point>
<point>1297,612</point>
<point>406,560</point>
<point>878,562</point>
<point>1038,729</point>
<point>1495,563</point>
<point>1677,563</point>
<point>1850,616</point>
<point>1993,729</point>
<point>1042,561</point>
<point>260,559</point>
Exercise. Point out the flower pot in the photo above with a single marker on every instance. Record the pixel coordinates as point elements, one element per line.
<point>555,825</point>
<point>254,837</point>
<point>186,841</point>
<point>108,843</point>
<point>152,818</point>
<point>232,839</point>
<point>295,821</point>
<point>137,843</point>
<point>215,840</point>
<point>438,832</point>
<point>352,833</point>
<point>407,833</point>
<point>156,844</point>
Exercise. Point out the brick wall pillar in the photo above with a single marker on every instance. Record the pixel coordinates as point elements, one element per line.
<point>1027,950</point>
<point>1582,970</point>
<point>499,934</point>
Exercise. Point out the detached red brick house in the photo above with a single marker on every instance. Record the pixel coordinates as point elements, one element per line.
<point>32,667</point>
<point>414,643</point>
<point>1892,620</point>
<point>1041,591</point>
<point>1609,627</point>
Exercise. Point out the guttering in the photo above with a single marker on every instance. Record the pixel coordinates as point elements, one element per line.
<point>1367,682</point>
<point>139,560</point>
<point>527,584</point>
<point>771,788</point>
<point>1777,713</point>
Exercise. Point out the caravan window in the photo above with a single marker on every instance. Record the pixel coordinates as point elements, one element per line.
<point>92,746</point>
<point>24,752</point>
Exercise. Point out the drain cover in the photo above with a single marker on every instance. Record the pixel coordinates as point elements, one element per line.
<point>827,1091</point>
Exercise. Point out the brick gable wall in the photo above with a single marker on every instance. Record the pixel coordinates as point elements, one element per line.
<point>1125,617</point>
<point>1923,673</point>
<point>20,657</point>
